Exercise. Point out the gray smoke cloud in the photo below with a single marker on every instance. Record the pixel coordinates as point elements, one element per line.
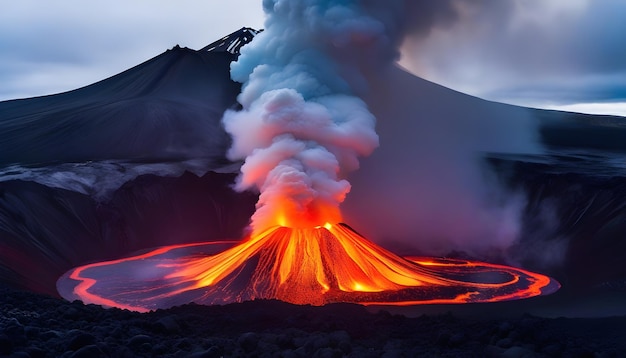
<point>302,128</point>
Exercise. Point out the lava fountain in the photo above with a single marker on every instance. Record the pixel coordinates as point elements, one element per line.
<point>300,131</point>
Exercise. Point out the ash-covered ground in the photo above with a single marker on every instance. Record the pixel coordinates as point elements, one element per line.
<point>34,325</point>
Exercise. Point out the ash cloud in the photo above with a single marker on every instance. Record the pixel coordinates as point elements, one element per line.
<point>302,127</point>
<point>427,185</point>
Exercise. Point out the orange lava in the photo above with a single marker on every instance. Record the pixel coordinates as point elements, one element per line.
<point>329,263</point>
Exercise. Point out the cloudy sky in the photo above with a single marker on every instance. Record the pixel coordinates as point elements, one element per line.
<point>58,45</point>
<point>548,53</point>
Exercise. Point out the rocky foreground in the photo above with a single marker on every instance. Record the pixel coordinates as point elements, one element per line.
<point>39,326</point>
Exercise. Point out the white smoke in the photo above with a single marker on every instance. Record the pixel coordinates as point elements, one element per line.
<point>302,128</point>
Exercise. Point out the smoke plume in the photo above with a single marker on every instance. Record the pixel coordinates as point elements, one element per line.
<point>302,127</point>
<point>313,79</point>
<point>428,186</point>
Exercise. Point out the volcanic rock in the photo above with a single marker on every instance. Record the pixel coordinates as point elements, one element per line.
<point>239,329</point>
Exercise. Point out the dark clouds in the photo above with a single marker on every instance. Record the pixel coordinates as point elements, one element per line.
<point>554,51</point>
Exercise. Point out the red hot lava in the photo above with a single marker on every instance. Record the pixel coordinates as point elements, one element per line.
<point>329,263</point>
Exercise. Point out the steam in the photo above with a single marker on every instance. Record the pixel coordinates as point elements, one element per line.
<point>302,127</point>
<point>428,186</point>
<point>311,83</point>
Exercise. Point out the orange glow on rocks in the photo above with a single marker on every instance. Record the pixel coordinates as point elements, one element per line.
<point>324,264</point>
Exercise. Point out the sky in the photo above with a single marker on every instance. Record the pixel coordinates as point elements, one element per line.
<point>563,54</point>
<point>568,54</point>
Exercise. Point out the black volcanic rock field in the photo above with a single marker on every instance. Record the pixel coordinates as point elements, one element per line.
<point>33,325</point>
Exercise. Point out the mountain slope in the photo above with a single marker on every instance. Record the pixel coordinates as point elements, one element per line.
<point>168,107</point>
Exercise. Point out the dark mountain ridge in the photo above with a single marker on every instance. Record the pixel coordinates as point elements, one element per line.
<point>162,109</point>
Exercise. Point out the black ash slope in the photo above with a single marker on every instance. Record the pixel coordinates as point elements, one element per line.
<point>168,107</point>
<point>158,114</point>
<point>46,231</point>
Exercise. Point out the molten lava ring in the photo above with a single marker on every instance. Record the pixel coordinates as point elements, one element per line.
<point>302,266</point>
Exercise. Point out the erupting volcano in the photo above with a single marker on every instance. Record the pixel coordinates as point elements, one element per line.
<point>315,266</point>
<point>301,129</point>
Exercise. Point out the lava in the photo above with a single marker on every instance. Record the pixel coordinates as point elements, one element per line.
<point>319,265</point>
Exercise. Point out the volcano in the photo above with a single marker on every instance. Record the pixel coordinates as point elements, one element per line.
<point>302,266</point>
<point>86,174</point>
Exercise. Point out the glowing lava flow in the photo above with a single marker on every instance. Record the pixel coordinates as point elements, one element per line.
<point>302,266</point>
